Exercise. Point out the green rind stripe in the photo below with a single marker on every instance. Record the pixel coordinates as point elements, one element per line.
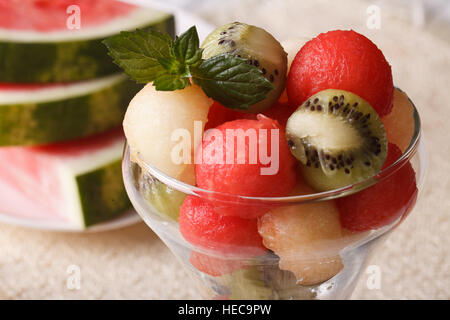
<point>102,194</point>
<point>68,61</point>
<point>61,120</point>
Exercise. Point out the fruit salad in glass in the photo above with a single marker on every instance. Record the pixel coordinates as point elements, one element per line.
<point>271,170</point>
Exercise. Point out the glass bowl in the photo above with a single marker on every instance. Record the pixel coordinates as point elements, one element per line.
<point>323,267</point>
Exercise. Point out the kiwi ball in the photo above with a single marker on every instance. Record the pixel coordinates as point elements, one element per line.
<point>259,48</point>
<point>338,138</point>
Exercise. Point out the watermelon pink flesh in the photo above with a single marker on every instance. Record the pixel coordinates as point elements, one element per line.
<point>25,178</point>
<point>51,15</point>
<point>29,182</point>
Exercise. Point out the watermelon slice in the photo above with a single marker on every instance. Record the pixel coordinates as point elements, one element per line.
<point>79,181</point>
<point>34,115</point>
<point>40,42</point>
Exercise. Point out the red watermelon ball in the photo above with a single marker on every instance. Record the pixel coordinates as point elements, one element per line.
<point>219,114</point>
<point>245,175</point>
<point>201,226</point>
<point>384,202</point>
<point>343,60</point>
<point>280,111</point>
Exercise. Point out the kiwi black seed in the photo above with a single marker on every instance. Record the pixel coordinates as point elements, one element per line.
<point>338,139</point>
<point>258,47</point>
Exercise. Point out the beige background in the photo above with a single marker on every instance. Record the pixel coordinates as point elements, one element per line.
<point>132,263</point>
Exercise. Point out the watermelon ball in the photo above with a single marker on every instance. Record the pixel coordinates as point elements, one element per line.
<point>382,203</point>
<point>280,111</point>
<point>221,167</point>
<point>202,226</point>
<point>219,114</point>
<point>343,60</point>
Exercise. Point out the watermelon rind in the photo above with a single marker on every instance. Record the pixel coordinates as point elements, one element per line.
<point>70,55</point>
<point>53,114</point>
<point>102,194</point>
<point>94,186</point>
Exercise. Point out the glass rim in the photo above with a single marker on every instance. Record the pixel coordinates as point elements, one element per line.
<point>317,196</point>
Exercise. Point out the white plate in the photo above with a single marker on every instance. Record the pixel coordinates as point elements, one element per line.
<point>128,218</point>
<point>183,21</point>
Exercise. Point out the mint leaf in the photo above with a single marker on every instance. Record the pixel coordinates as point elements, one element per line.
<point>173,66</point>
<point>231,81</point>
<point>186,48</point>
<point>137,53</point>
<point>170,82</point>
<point>175,77</point>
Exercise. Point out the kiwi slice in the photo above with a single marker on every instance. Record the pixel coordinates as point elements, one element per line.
<point>338,139</point>
<point>166,201</point>
<point>258,47</point>
<point>247,284</point>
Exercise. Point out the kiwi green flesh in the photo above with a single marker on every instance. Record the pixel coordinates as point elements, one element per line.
<point>166,201</point>
<point>259,48</point>
<point>248,284</point>
<point>266,282</point>
<point>338,139</point>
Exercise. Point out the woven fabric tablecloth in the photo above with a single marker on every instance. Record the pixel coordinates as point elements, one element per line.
<point>132,263</point>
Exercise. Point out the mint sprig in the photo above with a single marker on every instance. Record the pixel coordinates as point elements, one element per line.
<point>138,52</point>
<point>150,56</point>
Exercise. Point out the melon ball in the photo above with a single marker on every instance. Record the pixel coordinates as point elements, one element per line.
<point>306,237</point>
<point>215,266</point>
<point>247,158</point>
<point>399,123</point>
<point>158,124</point>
